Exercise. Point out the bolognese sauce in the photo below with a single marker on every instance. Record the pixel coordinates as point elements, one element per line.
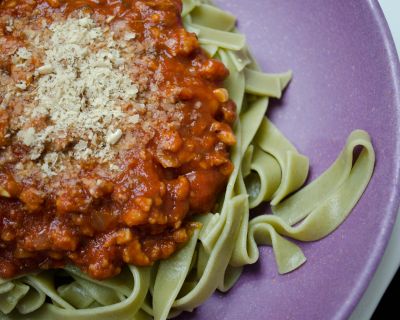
<point>114,130</point>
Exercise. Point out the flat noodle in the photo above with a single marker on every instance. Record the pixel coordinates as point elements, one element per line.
<point>235,83</point>
<point>294,166</point>
<point>240,59</point>
<point>223,39</point>
<point>263,84</point>
<point>170,277</point>
<point>267,168</point>
<point>122,310</point>
<point>213,17</point>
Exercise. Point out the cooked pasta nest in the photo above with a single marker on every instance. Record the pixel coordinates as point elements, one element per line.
<point>268,168</point>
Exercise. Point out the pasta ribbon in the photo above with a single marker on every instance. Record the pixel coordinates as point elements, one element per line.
<point>101,293</point>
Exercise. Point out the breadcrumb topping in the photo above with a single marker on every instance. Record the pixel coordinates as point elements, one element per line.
<point>80,89</point>
<point>87,93</point>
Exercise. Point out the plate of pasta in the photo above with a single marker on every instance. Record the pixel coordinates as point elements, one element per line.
<point>194,159</point>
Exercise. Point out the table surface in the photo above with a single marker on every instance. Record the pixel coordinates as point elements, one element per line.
<point>391,260</point>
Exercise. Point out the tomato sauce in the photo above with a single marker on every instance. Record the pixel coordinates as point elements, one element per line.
<point>99,222</point>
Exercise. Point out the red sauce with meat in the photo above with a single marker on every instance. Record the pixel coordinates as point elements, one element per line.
<point>172,161</point>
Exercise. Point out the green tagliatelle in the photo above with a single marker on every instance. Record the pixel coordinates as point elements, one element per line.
<point>267,168</point>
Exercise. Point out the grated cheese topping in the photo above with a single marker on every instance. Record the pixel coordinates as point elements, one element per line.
<point>80,90</point>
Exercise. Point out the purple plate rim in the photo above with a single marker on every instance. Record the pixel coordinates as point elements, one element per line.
<point>394,199</point>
